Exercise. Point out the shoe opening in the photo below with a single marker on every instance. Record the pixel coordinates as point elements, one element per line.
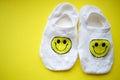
<point>96,20</point>
<point>64,21</point>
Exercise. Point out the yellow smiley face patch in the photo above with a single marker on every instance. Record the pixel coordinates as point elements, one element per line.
<point>61,45</point>
<point>99,47</point>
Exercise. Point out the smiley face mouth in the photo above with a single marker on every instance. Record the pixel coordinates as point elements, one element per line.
<point>98,52</point>
<point>59,49</point>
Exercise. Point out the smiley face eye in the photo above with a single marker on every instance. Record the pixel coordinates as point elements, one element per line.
<point>103,44</point>
<point>64,41</point>
<point>96,44</point>
<point>58,41</point>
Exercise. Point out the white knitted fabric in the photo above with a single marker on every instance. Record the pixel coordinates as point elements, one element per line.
<point>61,32</point>
<point>94,27</point>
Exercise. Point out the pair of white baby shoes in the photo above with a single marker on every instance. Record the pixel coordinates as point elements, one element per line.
<point>69,35</point>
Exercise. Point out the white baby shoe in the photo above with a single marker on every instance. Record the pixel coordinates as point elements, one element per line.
<point>58,48</point>
<point>95,42</point>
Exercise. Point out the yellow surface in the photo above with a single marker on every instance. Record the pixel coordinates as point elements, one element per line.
<point>21,27</point>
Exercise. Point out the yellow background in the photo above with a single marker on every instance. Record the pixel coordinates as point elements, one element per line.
<point>22,24</point>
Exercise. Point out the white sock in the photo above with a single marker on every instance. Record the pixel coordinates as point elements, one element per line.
<point>58,48</point>
<point>95,42</point>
